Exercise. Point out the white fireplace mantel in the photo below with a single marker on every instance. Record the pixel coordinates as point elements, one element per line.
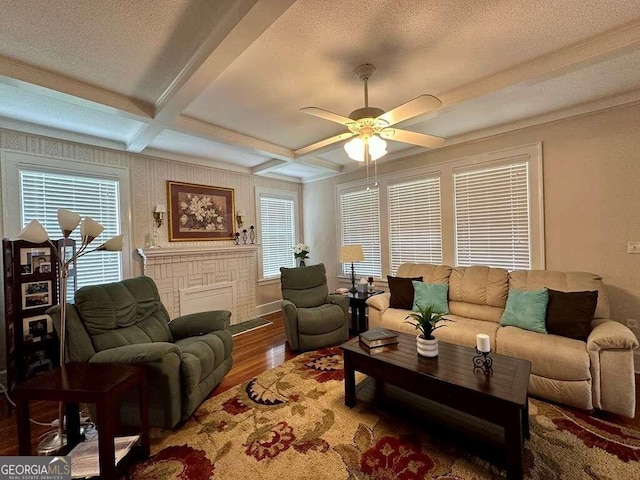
<point>176,270</point>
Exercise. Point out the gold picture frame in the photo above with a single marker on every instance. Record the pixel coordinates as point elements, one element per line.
<point>200,212</point>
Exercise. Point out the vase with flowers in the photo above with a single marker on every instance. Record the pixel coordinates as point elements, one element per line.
<point>301,252</point>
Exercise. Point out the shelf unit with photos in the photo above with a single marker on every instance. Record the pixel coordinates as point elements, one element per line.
<point>30,288</point>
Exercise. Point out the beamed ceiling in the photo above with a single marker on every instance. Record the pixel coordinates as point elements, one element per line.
<point>222,82</point>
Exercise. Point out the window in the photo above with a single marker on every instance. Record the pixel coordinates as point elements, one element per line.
<point>492,216</point>
<point>486,209</point>
<point>415,224</point>
<point>360,225</point>
<point>37,186</point>
<point>43,193</point>
<point>278,233</point>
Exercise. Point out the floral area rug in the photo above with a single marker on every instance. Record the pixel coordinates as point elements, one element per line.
<point>291,422</point>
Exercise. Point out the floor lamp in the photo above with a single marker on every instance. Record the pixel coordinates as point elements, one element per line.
<point>352,253</point>
<point>89,229</point>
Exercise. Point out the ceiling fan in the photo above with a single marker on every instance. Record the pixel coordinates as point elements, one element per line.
<point>370,125</point>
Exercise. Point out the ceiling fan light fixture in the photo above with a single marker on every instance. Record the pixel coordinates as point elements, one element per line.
<point>355,148</point>
<point>377,147</point>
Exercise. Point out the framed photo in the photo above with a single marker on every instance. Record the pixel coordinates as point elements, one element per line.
<point>36,294</point>
<point>200,212</point>
<point>36,328</point>
<point>35,260</point>
<point>38,363</point>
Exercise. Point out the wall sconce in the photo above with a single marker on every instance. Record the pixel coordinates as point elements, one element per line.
<point>158,214</point>
<point>240,216</point>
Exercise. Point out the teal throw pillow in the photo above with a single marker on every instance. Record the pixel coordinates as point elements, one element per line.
<point>526,309</point>
<point>435,294</point>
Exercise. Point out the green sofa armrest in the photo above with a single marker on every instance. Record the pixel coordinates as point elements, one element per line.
<point>340,300</point>
<point>137,354</point>
<point>610,334</point>
<point>196,324</point>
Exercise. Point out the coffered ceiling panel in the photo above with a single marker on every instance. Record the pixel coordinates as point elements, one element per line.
<point>135,48</point>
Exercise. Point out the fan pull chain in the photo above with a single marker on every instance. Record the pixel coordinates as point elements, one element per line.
<point>366,161</point>
<point>375,173</point>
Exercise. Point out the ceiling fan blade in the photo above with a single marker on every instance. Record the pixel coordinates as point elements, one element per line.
<point>413,108</point>
<point>429,141</point>
<point>327,115</point>
<point>323,143</point>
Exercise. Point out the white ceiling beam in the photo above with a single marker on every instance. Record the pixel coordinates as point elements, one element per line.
<point>268,166</point>
<point>43,82</point>
<point>321,163</point>
<point>213,133</point>
<point>241,25</point>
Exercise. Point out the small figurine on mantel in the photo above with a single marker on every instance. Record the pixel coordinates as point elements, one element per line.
<point>252,234</point>
<point>153,240</point>
<point>237,239</point>
<point>244,236</point>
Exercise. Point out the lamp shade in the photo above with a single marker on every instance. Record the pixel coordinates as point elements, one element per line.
<point>351,253</point>
<point>90,229</point>
<point>114,244</point>
<point>34,232</point>
<point>68,221</point>
<point>377,147</point>
<point>160,209</point>
<point>355,149</point>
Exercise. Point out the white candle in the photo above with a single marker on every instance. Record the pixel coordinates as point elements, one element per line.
<point>483,344</point>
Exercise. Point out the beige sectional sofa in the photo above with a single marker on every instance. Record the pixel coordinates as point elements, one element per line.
<point>596,374</point>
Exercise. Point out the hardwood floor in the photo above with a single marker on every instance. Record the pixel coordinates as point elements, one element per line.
<point>254,352</point>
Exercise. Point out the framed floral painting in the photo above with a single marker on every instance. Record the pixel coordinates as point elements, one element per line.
<point>200,212</point>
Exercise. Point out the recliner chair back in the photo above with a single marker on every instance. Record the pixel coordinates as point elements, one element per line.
<point>305,287</point>
<point>123,313</point>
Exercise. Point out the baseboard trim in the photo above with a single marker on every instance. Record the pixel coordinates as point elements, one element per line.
<point>267,308</point>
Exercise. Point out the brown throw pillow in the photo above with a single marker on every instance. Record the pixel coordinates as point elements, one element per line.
<point>401,292</point>
<point>569,314</point>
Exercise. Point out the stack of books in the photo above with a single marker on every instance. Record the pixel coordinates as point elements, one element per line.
<point>378,340</point>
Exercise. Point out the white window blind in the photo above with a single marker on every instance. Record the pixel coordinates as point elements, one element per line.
<point>360,217</point>
<point>277,216</point>
<point>492,216</point>
<point>43,193</point>
<point>415,223</point>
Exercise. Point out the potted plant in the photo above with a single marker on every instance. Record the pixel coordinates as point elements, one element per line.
<point>426,321</point>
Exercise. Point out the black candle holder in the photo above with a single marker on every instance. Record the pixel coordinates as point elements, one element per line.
<point>482,362</point>
<point>245,236</point>
<point>252,234</point>
<point>237,239</point>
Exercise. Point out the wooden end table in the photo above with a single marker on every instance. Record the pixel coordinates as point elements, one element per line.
<point>449,379</point>
<point>358,304</point>
<point>99,383</point>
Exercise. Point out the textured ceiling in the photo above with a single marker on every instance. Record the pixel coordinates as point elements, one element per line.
<point>225,80</point>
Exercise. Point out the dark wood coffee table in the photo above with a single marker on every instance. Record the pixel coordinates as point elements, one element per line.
<point>449,379</point>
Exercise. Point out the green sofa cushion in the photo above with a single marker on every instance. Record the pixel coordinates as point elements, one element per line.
<point>426,294</point>
<point>526,309</point>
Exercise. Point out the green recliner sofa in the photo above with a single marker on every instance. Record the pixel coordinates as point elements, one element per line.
<point>125,322</point>
<point>313,318</point>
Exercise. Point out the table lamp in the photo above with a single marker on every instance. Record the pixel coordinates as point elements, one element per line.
<point>352,253</point>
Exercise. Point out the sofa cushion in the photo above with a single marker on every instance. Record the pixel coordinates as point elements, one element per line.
<point>429,273</point>
<point>306,287</point>
<point>526,309</point>
<point>401,291</point>
<point>200,356</point>
<point>463,331</point>
<point>564,282</point>
<point>478,292</point>
<point>551,356</point>
<point>569,314</point>
<point>426,294</point>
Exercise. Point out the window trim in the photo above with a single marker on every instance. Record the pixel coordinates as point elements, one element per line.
<point>444,169</point>
<point>11,162</point>
<point>275,193</point>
